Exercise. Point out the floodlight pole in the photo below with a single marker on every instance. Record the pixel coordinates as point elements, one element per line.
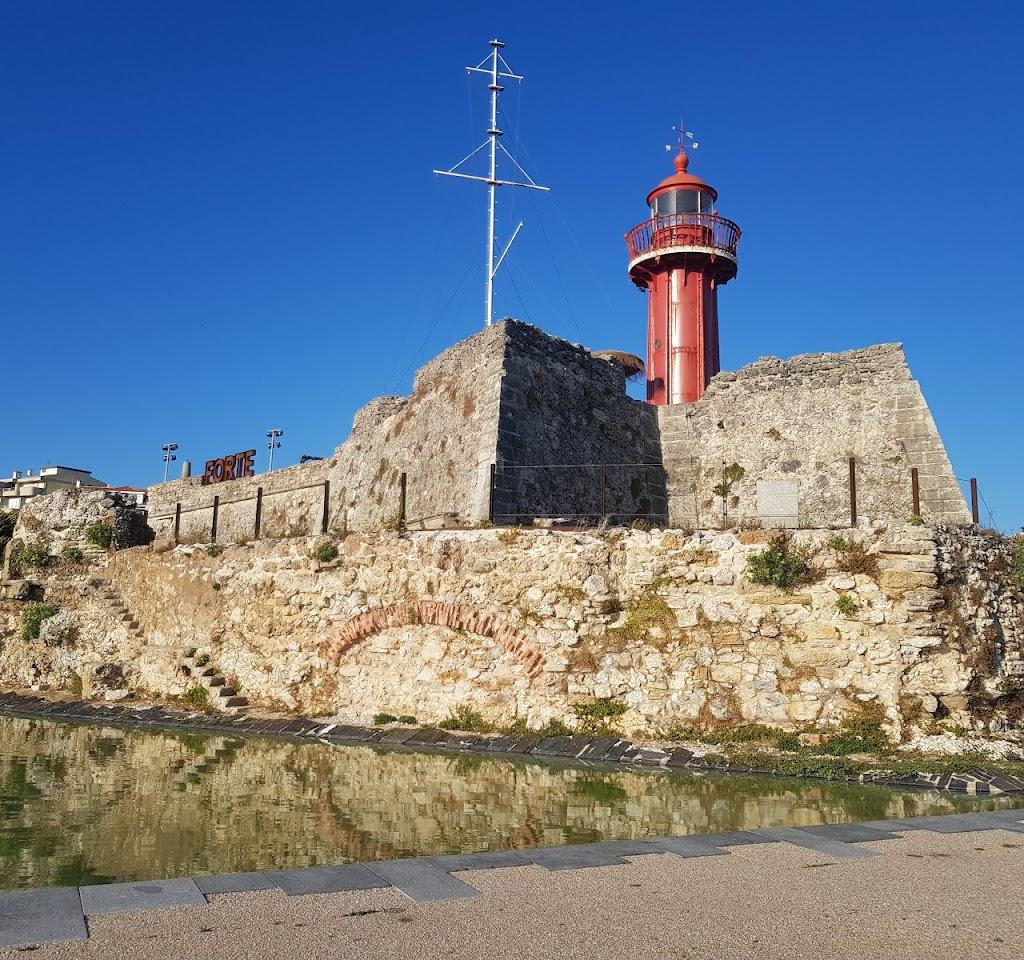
<point>498,69</point>
<point>168,449</point>
<point>272,444</point>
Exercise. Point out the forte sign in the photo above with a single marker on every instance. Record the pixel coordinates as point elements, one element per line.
<point>232,467</point>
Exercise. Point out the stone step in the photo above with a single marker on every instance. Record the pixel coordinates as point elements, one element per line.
<point>235,701</point>
<point>206,671</point>
<point>210,682</point>
<point>188,652</point>
<point>226,693</point>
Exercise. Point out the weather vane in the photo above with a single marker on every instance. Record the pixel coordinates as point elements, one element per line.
<point>682,135</point>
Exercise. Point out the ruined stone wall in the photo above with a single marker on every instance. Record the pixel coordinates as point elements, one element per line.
<point>526,624</point>
<point>58,521</point>
<point>798,422</point>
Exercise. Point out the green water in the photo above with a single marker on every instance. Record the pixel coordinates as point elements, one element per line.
<point>92,804</point>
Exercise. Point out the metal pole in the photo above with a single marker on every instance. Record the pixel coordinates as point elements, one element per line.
<point>853,492</point>
<point>492,133</point>
<point>604,491</point>
<point>401,501</point>
<point>327,506</point>
<point>975,515</point>
<point>259,513</point>
<point>213,525</point>
<point>177,521</point>
<point>490,497</point>
<point>916,491</point>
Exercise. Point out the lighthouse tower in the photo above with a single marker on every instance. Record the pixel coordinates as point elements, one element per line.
<point>680,256</point>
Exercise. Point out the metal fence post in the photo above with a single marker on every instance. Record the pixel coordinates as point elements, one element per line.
<point>604,491</point>
<point>327,506</point>
<point>853,492</point>
<point>490,497</point>
<point>916,490</point>
<point>177,522</point>
<point>402,487</point>
<point>975,515</point>
<point>213,525</point>
<point>259,513</point>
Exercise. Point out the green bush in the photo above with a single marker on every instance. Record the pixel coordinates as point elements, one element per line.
<point>32,618</point>
<point>202,660</point>
<point>30,556</point>
<point>214,549</point>
<point>325,553</point>
<point>407,718</point>
<point>99,534</point>
<point>779,566</point>
<point>75,685</point>
<point>554,728</point>
<point>846,605</point>
<point>860,733</point>
<point>382,718</point>
<point>72,556</point>
<point>196,697</point>
<point>594,718</point>
<point>466,718</point>
<point>855,558</point>
<point>916,520</point>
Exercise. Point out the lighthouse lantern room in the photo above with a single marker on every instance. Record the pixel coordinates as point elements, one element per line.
<point>680,256</point>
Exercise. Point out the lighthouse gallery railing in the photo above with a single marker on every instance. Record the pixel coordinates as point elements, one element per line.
<point>683,230</point>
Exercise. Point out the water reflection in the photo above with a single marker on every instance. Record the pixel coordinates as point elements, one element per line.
<point>91,804</point>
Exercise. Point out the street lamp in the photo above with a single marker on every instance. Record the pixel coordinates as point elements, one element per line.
<point>273,444</point>
<point>168,449</point>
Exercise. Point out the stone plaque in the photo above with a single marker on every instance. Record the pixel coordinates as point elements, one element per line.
<point>778,502</point>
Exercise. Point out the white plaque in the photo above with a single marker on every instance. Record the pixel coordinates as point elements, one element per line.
<point>778,502</point>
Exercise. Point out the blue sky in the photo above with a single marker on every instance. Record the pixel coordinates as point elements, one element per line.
<point>220,217</point>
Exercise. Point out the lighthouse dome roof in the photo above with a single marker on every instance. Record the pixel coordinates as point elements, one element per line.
<point>681,180</point>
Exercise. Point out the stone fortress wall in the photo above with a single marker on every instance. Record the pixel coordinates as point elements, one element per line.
<point>793,426</point>
<point>567,442</point>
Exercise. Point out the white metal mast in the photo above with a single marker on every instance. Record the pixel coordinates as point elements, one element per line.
<point>498,69</point>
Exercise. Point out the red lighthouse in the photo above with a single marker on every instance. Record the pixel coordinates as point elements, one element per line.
<point>680,256</point>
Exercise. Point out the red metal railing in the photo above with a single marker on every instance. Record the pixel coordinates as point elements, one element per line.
<point>683,230</point>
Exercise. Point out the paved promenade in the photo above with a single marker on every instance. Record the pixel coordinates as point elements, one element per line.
<point>929,887</point>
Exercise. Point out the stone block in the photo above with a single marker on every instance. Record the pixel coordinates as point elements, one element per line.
<point>30,918</point>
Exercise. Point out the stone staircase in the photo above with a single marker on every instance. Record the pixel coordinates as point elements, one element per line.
<point>108,594</point>
<point>222,696</point>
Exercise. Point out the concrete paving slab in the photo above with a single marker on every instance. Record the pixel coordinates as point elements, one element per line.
<point>487,860</point>
<point>732,838</point>
<point>571,857</point>
<point>689,847</point>
<point>142,895</point>
<point>30,917</point>
<point>831,848</point>
<point>345,876</point>
<point>234,882</point>
<point>969,822</point>
<point>422,881</point>
<point>851,832</point>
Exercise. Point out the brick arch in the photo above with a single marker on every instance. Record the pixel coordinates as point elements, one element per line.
<point>455,616</point>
